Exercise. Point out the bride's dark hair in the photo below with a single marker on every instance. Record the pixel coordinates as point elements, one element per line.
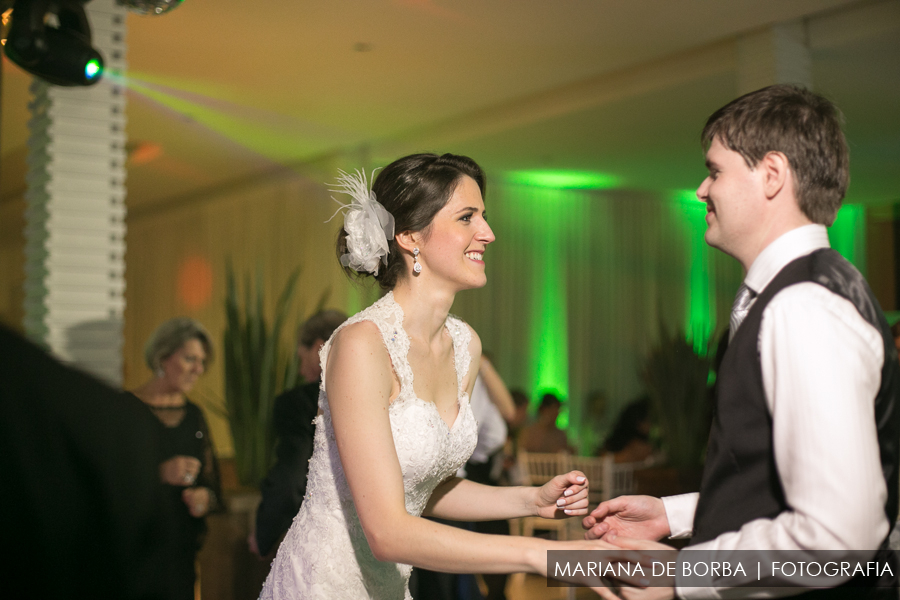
<point>414,189</point>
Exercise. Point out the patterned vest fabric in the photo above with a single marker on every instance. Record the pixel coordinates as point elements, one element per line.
<point>740,480</point>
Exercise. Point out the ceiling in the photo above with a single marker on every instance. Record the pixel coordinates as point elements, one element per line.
<point>225,90</point>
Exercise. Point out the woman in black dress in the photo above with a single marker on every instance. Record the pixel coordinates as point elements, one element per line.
<point>177,353</point>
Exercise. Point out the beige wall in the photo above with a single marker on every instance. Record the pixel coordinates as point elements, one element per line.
<point>12,262</point>
<point>276,225</point>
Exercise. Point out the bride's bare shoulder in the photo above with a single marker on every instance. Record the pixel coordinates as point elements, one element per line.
<point>360,340</point>
<point>358,366</point>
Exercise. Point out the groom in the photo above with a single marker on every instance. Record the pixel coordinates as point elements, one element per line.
<point>803,452</point>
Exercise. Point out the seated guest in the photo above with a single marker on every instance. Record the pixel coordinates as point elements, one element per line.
<point>520,400</point>
<point>285,485</point>
<point>630,437</point>
<point>543,435</point>
<point>177,354</point>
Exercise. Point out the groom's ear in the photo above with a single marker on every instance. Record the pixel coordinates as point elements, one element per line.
<point>408,240</point>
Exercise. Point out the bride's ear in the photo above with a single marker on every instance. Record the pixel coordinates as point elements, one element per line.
<point>408,240</point>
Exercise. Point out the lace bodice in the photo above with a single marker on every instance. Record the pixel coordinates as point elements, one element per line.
<point>325,553</point>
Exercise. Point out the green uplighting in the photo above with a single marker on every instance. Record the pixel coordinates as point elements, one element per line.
<point>92,69</point>
<point>564,180</point>
<point>549,326</point>
<point>699,307</point>
<point>848,234</point>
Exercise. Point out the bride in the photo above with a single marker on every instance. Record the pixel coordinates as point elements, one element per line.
<point>394,422</point>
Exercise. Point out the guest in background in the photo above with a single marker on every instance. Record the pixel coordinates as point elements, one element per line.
<point>630,437</point>
<point>493,408</point>
<point>79,502</point>
<point>520,400</point>
<point>285,484</point>
<point>177,354</point>
<point>544,435</point>
<point>511,474</point>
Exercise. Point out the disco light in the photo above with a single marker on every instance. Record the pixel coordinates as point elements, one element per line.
<point>51,39</point>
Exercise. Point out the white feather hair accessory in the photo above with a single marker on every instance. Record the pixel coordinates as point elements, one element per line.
<point>368,224</point>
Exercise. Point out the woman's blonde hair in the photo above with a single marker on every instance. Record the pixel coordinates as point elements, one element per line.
<point>170,336</point>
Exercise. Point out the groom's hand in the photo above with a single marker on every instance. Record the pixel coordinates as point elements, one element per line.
<point>563,496</point>
<point>638,517</point>
<point>653,588</point>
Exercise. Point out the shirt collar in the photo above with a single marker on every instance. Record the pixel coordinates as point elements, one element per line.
<point>787,248</point>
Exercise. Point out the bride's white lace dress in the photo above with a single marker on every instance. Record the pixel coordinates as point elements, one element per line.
<point>325,553</point>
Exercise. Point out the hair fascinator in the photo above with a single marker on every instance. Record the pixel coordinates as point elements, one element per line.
<point>368,224</point>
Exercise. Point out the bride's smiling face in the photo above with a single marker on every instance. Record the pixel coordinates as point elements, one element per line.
<point>454,246</point>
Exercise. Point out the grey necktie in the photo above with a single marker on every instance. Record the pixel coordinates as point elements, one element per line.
<point>741,307</point>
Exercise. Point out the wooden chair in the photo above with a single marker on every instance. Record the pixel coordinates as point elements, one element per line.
<point>618,478</point>
<point>594,469</point>
<point>537,469</point>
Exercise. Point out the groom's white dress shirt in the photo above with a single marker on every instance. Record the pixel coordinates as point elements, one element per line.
<point>821,369</point>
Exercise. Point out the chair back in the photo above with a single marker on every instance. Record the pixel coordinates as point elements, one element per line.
<point>593,469</point>
<point>618,477</point>
<point>540,467</point>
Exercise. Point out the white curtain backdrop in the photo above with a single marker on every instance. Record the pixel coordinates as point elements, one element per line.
<point>579,284</point>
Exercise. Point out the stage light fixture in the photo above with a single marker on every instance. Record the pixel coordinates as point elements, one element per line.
<point>151,7</point>
<point>51,39</point>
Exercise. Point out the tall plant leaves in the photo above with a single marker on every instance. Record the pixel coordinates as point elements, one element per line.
<point>254,375</point>
<point>676,378</point>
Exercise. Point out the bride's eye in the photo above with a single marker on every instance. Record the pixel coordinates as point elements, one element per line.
<point>467,217</point>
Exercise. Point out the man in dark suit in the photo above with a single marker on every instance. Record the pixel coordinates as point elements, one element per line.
<point>803,452</point>
<point>79,499</point>
<point>285,484</point>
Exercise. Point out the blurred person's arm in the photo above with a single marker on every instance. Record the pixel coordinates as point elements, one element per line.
<point>497,390</point>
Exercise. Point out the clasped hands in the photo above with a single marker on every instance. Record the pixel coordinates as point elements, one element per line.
<point>182,471</point>
<point>628,523</point>
<point>632,523</point>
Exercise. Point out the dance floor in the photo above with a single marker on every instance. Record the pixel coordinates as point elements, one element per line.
<point>533,587</point>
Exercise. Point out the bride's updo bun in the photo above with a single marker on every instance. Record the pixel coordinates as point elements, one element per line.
<point>414,189</point>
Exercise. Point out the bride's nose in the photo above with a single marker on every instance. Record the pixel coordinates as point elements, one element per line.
<point>486,234</point>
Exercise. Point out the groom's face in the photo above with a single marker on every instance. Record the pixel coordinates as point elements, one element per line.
<point>732,193</point>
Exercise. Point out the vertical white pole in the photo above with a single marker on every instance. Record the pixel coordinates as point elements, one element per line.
<point>75,215</point>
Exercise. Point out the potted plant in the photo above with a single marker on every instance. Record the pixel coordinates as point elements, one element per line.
<point>677,379</point>
<point>258,366</point>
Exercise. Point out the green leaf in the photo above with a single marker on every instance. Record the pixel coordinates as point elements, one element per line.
<point>257,367</point>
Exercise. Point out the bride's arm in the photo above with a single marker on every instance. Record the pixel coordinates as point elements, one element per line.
<point>462,500</point>
<point>359,383</point>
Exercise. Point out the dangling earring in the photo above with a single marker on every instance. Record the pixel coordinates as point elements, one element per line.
<point>417,268</point>
<point>160,373</point>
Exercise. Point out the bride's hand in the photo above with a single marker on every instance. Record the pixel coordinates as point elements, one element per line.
<point>563,496</point>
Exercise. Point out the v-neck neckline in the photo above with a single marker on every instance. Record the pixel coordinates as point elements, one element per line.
<point>459,393</point>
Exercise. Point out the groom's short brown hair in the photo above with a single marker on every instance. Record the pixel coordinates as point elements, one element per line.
<point>803,126</point>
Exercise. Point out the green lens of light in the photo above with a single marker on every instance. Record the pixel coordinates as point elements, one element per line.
<point>92,69</point>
